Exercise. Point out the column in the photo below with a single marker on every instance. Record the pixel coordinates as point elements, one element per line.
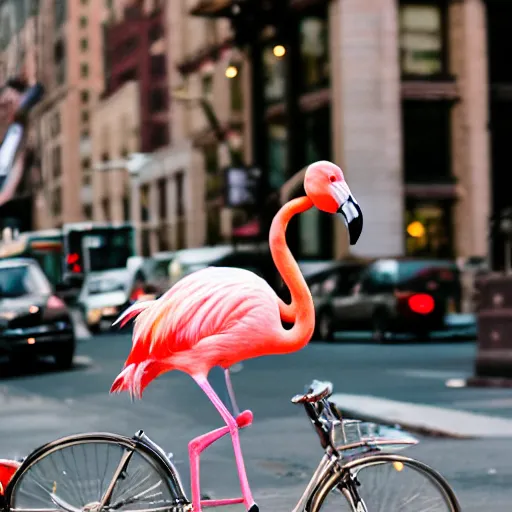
<point>171,210</point>
<point>468,43</point>
<point>153,215</point>
<point>367,111</point>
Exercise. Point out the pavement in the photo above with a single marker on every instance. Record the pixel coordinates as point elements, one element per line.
<point>404,382</point>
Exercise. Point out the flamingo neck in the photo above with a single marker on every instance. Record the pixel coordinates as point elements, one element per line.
<point>300,334</point>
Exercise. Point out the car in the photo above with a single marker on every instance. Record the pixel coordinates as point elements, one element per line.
<point>33,320</point>
<point>105,295</point>
<point>326,281</point>
<point>253,258</point>
<point>156,268</point>
<point>399,295</point>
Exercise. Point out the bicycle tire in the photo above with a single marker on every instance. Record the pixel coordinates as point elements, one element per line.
<point>445,493</point>
<point>47,475</point>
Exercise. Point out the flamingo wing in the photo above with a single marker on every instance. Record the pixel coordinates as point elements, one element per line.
<point>209,302</point>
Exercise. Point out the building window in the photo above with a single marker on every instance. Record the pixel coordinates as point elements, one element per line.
<point>155,33</point>
<point>207,85</point>
<point>84,70</point>
<point>84,44</point>
<point>314,49</point>
<point>428,228</point>
<point>180,192</point>
<point>158,65</point>
<point>160,135</point>
<point>85,116</point>
<point>56,161</point>
<point>162,198</point>
<point>422,40</point>
<point>60,12</point>
<point>57,201</point>
<point>426,141</point>
<point>86,164</point>
<point>144,203</point>
<point>84,2</point>
<point>274,69</point>
<point>237,98</point>
<point>84,96</point>
<point>158,100</point>
<point>277,154</point>
<point>86,179</point>
<point>83,21</point>
<point>126,209</point>
<point>55,125</point>
<point>87,211</point>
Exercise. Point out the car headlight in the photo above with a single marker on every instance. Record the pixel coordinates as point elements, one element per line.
<point>93,316</point>
<point>175,268</point>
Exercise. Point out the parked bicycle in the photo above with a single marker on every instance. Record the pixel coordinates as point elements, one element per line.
<point>102,472</point>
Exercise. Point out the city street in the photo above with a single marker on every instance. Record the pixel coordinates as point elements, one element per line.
<point>281,448</point>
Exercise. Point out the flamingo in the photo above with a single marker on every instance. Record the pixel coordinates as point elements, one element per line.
<point>221,316</point>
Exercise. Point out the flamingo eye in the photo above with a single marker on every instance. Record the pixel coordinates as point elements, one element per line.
<point>332,178</point>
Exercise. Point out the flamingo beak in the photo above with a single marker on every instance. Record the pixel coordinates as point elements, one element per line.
<point>353,216</point>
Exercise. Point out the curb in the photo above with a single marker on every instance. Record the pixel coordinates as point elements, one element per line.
<point>488,382</point>
<point>422,419</point>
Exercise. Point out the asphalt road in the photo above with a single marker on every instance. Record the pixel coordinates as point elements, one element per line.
<point>281,448</point>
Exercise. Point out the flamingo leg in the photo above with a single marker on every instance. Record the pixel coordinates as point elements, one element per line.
<point>235,437</point>
<point>231,393</point>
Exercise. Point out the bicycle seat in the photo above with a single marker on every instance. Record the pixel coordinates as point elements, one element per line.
<point>317,391</point>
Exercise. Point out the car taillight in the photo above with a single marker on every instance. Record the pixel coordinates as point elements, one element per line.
<point>55,303</point>
<point>421,303</point>
<point>136,294</point>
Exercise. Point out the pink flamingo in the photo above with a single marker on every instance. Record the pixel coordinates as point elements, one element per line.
<point>221,316</point>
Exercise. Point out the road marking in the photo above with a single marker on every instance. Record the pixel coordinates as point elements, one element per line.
<point>427,374</point>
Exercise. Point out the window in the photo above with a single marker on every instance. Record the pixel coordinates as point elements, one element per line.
<point>277,154</point>
<point>126,208</point>
<point>144,203</point>
<point>84,2</point>
<point>274,70</point>
<point>84,44</point>
<point>86,179</point>
<point>160,135</point>
<point>180,190</point>
<point>19,280</point>
<point>211,159</point>
<point>60,12</point>
<point>86,164</point>
<point>84,96</point>
<point>314,49</point>
<point>426,141</point>
<point>421,39</point>
<point>162,198</point>
<point>56,161</point>
<point>158,100</point>
<point>84,70</point>
<point>237,99</point>
<point>155,33</point>
<point>83,21</point>
<point>207,85</point>
<point>105,204</point>
<point>433,236</point>
<point>87,211</point>
<point>85,116</point>
<point>158,65</point>
<point>57,201</point>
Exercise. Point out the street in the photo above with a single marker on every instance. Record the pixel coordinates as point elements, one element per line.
<point>281,448</point>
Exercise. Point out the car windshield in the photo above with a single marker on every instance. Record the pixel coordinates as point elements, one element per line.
<point>20,280</point>
<point>98,286</point>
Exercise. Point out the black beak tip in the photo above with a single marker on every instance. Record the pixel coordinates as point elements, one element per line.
<point>354,224</point>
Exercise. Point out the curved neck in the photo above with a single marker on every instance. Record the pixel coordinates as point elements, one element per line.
<point>302,330</point>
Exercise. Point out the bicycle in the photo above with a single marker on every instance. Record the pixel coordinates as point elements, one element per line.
<point>142,477</point>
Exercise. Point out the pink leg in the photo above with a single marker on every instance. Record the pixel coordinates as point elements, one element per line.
<point>233,429</point>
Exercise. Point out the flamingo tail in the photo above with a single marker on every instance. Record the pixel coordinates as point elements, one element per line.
<point>132,312</point>
<point>124,380</point>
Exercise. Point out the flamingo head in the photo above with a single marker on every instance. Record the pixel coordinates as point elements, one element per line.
<point>325,185</point>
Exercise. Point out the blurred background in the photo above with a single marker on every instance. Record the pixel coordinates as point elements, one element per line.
<point>172,131</point>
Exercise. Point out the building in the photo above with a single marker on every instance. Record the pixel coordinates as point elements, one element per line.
<point>394,91</point>
<point>132,114</point>
<point>177,195</point>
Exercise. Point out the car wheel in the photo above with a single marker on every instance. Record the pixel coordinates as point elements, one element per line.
<point>64,358</point>
<point>325,327</point>
<point>380,326</point>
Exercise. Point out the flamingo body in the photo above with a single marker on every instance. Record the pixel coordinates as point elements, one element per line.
<point>214,317</point>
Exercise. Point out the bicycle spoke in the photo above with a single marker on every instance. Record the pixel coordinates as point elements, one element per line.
<point>120,468</point>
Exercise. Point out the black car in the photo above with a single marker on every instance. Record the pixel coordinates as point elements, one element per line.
<point>33,321</point>
<point>399,295</point>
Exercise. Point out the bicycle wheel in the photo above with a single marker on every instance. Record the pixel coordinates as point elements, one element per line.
<point>92,472</point>
<point>384,483</point>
